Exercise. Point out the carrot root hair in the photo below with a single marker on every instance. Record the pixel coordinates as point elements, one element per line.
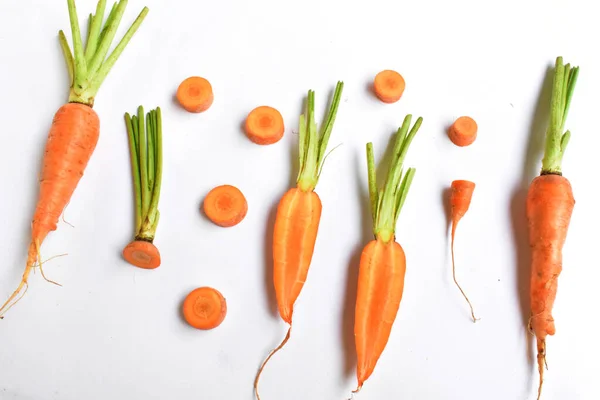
<point>275,350</point>
<point>454,276</point>
<point>541,359</point>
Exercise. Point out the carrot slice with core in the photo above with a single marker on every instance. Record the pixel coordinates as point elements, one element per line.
<point>264,125</point>
<point>195,94</point>
<point>204,308</point>
<point>225,205</point>
<point>389,86</point>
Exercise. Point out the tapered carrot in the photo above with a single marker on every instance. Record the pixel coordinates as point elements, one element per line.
<point>75,127</point>
<point>550,203</point>
<point>382,262</point>
<point>298,216</point>
<point>461,192</point>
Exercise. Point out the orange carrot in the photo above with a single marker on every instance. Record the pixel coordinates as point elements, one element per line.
<point>463,131</point>
<point>298,217</point>
<point>461,192</point>
<point>550,204</point>
<point>195,94</point>
<point>389,86</point>
<point>75,127</point>
<point>204,308</point>
<point>145,145</point>
<point>225,205</point>
<point>264,125</point>
<point>382,262</point>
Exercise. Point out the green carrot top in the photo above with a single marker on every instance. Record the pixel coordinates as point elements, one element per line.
<point>563,86</point>
<point>89,67</point>
<point>387,201</point>
<point>312,145</point>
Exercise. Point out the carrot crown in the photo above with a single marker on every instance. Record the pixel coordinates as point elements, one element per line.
<point>145,146</point>
<point>563,87</point>
<point>312,145</point>
<point>89,67</point>
<point>387,201</point>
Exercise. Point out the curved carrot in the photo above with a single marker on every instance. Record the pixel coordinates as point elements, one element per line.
<point>383,262</point>
<point>264,125</point>
<point>389,86</point>
<point>461,192</point>
<point>225,205</point>
<point>298,217</point>
<point>195,94</point>
<point>550,204</point>
<point>75,127</point>
<point>204,308</point>
<point>463,131</point>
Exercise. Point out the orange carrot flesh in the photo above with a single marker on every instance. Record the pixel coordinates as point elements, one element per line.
<point>225,205</point>
<point>264,125</point>
<point>383,263</point>
<point>461,193</point>
<point>298,217</point>
<point>463,131</point>
<point>204,308</point>
<point>142,254</point>
<point>550,204</point>
<point>195,94</point>
<point>389,86</point>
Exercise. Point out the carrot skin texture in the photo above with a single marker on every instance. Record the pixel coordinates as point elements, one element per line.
<point>380,287</point>
<point>295,234</point>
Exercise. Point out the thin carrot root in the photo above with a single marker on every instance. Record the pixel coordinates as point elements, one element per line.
<point>541,358</point>
<point>459,287</point>
<point>285,340</point>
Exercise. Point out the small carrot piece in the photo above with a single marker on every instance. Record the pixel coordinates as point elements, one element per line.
<point>461,193</point>
<point>204,308</point>
<point>463,131</point>
<point>195,94</point>
<point>389,86</point>
<point>550,204</point>
<point>264,125</point>
<point>225,205</point>
<point>142,254</point>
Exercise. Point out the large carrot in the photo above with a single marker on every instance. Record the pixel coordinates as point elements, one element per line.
<point>75,128</point>
<point>298,216</point>
<point>382,262</point>
<point>550,204</point>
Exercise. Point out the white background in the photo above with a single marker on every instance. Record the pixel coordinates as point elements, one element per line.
<point>115,331</point>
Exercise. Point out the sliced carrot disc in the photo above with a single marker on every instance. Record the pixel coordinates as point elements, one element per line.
<point>264,125</point>
<point>225,205</point>
<point>389,86</point>
<point>463,131</point>
<point>195,94</point>
<point>142,254</point>
<point>204,308</point>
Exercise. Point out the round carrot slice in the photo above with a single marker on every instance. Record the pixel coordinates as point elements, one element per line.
<point>204,308</point>
<point>389,86</point>
<point>195,94</point>
<point>264,125</point>
<point>463,131</point>
<point>225,205</point>
<point>142,254</point>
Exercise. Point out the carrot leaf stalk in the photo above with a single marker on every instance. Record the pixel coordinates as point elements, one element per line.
<point>312,144</point>
<point>388,201</point>
<point>145,147</point>
<point>565,78</point>
<point>89,66</point>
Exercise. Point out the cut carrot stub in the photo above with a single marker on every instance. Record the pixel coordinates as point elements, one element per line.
<point>225,205</point>
<point>463,131</point>
<point>142,254</point>
<point>204,308</point>
<point>389,86</point>
<point>195,94</point>
<point>264,125</point>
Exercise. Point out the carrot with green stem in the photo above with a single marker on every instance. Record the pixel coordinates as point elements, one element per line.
<point>550,203</point>
<point>383,262</point>
<point>145,145</point>
<point>298,216</point>
<point>75,128</point>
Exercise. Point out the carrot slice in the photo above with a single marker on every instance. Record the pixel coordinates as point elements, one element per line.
<point>142,254</point>
<point>204,308</point>
<point>264,125</point>
<point>225,205</point>
<point>389,86</point>
<point>195,94</point>
<point>463,131</point>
